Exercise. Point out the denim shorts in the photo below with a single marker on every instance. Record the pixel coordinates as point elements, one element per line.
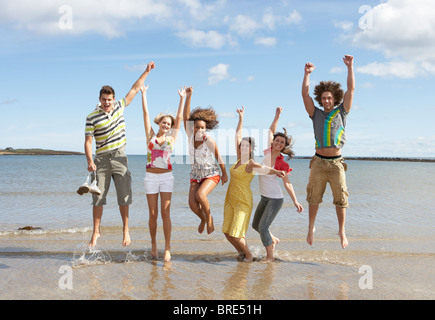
<point>113,165</point>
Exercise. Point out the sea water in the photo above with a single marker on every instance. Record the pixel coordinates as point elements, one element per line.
<point>389,225</point>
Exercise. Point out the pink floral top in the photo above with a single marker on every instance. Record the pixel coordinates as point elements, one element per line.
<point>159,156</point>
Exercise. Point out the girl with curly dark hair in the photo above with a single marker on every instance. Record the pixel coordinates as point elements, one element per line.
<point>204,153</point>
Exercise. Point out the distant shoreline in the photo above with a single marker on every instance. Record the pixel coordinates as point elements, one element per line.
<point>381,159</point>
<point>38,152</point>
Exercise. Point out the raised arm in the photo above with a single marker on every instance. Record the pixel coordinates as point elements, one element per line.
<point>272,128</point>
<point>308,101</point>
<point>138,84</point>
<point>179,116</point>
<point>348,96</point>
<point>239,129</point>
<point>186,113</point>
<point>149,132</point>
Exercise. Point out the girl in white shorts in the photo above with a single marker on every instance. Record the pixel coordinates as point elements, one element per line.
<point>159,178</point>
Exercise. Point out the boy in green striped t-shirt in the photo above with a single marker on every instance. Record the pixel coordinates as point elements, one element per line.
<point>107,125</point>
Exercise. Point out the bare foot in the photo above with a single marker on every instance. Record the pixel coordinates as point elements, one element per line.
<point>310,236</point>
<point>167,256</point>
<point>154,251</point>
<point>248,257</point>
<point>201,226</point>
<point>126,240</point>
<point>343,239</point>
<point>275,241</point>
<point>94,238</point>
<point>210,225</point>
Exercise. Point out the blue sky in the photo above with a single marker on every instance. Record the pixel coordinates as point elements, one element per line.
<point>56,55</point>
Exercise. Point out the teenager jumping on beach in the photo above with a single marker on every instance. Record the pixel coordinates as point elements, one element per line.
<point>329,130</point>
<point>272,197</point>
<point>238,200</point>
<point>158,177</point>
<point>106,124</point>
<point>203,151</point>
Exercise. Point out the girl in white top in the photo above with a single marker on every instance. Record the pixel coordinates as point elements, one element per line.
<point>159,178</point>
<point>204,153</point>
<point>271,194</point>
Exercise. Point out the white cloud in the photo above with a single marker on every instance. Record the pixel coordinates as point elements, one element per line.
<point>201,11</point>
<point>404,31</point>
<point>294,17</point>
<point>218,73</point>
<point>210,39</point>
<point>337,70</point>
<point>244,25</point>
<point>270,20</point>
<point>266,41</point>
<point>106,18</point>
<point>344,25</point>
<point>229,115</point>
<point>398,69</point>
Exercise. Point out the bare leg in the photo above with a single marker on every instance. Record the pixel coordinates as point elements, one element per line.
<point>270,249</point>
<point>269,253</point>
<point>97,213</point>
<point>167,225</point>
<point>195,206</point>
<point>241,245</point>
<point>201,196</point>
<point>341,216</point>
<point>312,218</point>
<point>124,215</point>
<point>152,221</point>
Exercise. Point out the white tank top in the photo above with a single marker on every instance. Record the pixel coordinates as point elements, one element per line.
<point>269,186</point>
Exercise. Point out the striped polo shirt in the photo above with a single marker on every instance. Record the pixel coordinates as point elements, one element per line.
<point>329,127</point>
<point>108,129</point>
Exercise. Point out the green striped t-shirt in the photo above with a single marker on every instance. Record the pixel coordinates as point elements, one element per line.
<point>108,129</point>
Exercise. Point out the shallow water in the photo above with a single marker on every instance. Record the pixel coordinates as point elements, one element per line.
<point>389,226</point>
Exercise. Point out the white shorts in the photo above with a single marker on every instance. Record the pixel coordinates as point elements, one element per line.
<point>158,182</point>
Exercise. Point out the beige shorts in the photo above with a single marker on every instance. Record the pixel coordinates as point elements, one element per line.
<point>113,165</point>
<point>324,171</point>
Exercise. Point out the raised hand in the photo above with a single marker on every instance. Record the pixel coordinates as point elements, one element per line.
<point>348,60</point>
<point>241,111</point>
<point>144,89</point>
<point>182,92</point>
<point>151,65</point>
<point>309,67</point>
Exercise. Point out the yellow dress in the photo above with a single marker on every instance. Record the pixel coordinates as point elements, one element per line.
<point>238,202</point>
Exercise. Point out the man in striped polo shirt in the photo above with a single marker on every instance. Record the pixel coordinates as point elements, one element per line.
<point>106,124</point>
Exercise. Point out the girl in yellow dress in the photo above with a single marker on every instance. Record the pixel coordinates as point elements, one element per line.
<point>238,200</point>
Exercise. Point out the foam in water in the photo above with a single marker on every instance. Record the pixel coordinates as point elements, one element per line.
<point>86,256</point>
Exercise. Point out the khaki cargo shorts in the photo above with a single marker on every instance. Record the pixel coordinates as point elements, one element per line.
<point>324,171</point>
<point>113,165</point>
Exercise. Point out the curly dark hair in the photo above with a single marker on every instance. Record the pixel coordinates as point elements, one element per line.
<point>329,86</point>
<point>208,115</point>
<point>288,143</point>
